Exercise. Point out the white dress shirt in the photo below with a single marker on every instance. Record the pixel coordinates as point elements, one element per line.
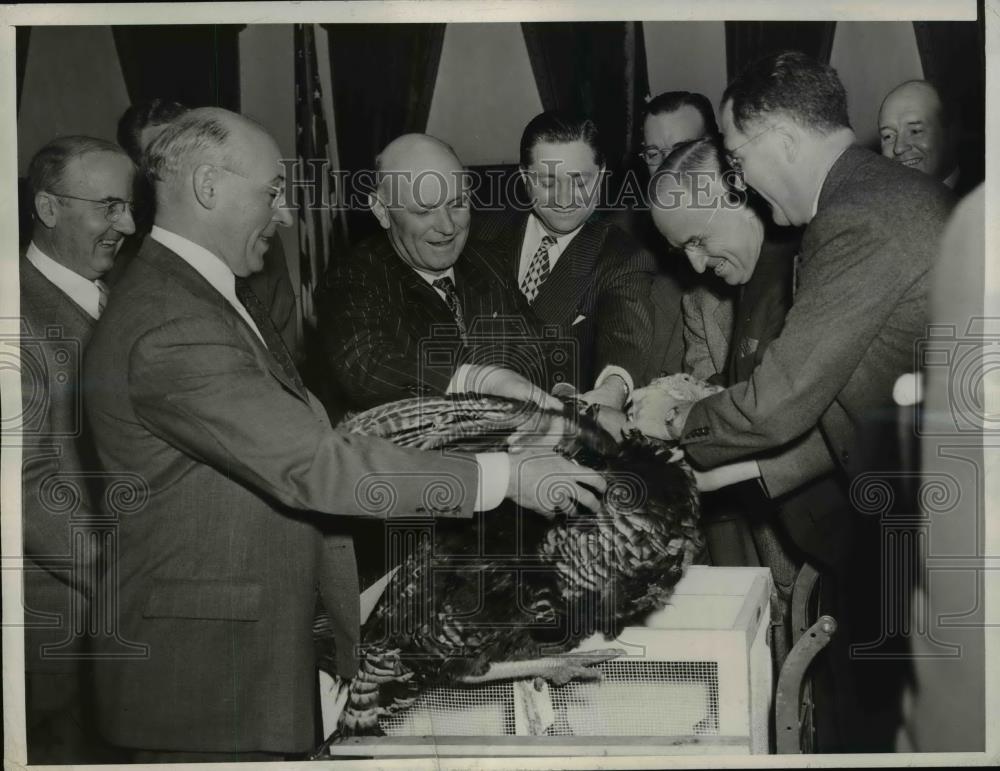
<point>82,291</point>
<point>533,235</point>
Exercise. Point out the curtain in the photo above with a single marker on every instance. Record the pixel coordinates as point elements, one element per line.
<point>595,68</point>
<point>953,56</point>
<point>23,36</point>
<point>197,65</point>
<point>383,78</point>
<point>747,41</point>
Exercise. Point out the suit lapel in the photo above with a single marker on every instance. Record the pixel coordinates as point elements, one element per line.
<point>560,296</point>
<point>167,261</point>
<point>51,302</point>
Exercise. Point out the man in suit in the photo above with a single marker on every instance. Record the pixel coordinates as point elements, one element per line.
<point>576,269</point>
<point>139,125</point>
<point>81,191</point>
<point>860,306</point>
<point>411,310</point>
<point>220,571</point>
<point>916,130</point>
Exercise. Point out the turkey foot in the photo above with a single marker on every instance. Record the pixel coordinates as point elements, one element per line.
<point>557,670</point>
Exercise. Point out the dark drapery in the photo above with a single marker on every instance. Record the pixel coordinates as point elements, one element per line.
<point>383,78</point>
<point>953,56</point>
<point>197,65</point>
<point>23,37</point>
<point>747,41</point>
<point>596,68</point>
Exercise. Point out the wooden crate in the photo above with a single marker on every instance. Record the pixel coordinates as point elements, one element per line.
<point>696,680</point>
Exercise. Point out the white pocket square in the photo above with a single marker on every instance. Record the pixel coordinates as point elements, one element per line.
<point>577,320</point>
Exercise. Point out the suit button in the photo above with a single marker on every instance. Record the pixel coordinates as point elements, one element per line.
<point>844,457</point>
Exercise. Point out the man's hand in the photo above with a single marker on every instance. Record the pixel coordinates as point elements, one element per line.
<point>498,381</point>
<point>549,484</point>
<point>724,476</point>
<point>610,393</point>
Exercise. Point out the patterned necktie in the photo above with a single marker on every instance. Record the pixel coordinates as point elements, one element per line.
<point>272,338</point>
<point>446,285</point>
<point>102,298</point>
<point>538,269</point>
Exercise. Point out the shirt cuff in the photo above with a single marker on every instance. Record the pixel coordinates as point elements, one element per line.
<point>459,381</point>
<point>612,369</point>
<point>494,477</point>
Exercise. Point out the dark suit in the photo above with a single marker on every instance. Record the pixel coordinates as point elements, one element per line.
<point>57,498</point>
<point>603,276</point>
<point>219,570</point>
<point>860,306</point>
<point>389,335</point>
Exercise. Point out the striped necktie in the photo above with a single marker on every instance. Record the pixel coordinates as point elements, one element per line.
<point>102,298</point>
<point>538,269</point>
<point>272,338</point>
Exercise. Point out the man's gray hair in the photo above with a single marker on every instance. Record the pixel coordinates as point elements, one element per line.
<point>48,166</point>
<point>186,142</point>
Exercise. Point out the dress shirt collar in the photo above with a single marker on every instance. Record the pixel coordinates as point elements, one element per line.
<point>535,232</point>
<point>209,267</point>
<point>430,278</point>
<point>952,179</point>
<point>82,291</point>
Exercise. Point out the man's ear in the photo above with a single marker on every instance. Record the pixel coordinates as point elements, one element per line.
<point>379,210</point>
<point>46,209</point>
<point>790,137</point>
<point>205,181</point>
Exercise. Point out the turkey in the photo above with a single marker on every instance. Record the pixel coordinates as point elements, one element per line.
<point>503,596</point>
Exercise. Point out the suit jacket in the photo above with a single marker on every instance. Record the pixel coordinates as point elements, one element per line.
<point>666,351</point>
<point>727,342</point>
<point>220,564</point>
<point>603,276</point>
<point>860,306</point>
<point>57,455</point>
<point>272,284</point>
<point>389,335</point>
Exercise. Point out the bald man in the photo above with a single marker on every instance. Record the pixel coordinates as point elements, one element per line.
<point>222,560</point>
<point>916,130</point>
<point>413,309</point>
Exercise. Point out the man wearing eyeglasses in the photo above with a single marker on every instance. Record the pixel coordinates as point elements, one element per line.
<point>858,310</point>
<point>221,569</point>
<point>81,212</point>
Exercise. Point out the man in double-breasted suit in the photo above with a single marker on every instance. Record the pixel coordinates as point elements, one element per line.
<point>575,268</point>
<point>402,313</point>
<point>80,188</point>
<point>220,570</point>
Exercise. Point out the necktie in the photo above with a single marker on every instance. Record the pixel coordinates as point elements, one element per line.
<point>272,338</point>
<point>102,298</point>
<point>446,285</point>
<point>538,269</point>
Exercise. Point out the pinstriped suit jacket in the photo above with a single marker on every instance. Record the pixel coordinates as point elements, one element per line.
<point>603,276</point>
<point>389,335</point>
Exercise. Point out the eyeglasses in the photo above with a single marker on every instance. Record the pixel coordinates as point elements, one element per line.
<point>114,208</point>
<point>277,191</point>
<point>735,163</point>
<point>654,154</point>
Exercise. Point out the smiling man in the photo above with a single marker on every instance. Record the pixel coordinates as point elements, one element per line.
<point>916,130</point>
<point>577,269</point>
<point>238,533</point>
<point>403,313</point>
<point>81,190</point>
